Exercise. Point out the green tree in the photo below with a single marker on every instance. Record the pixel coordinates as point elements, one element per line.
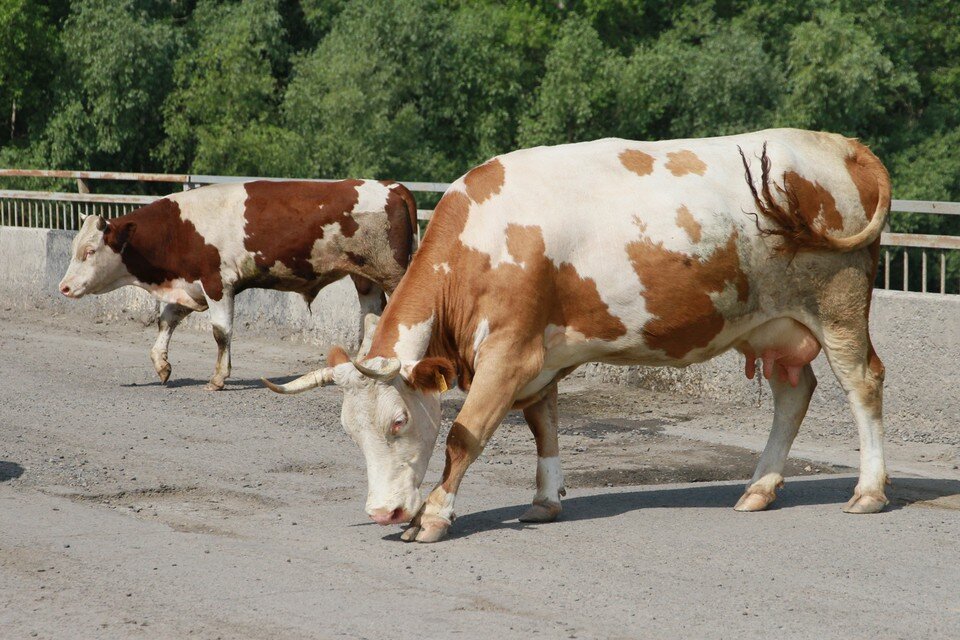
<point>117,68</point>
<point>575,100</point>
<point>839,78</point>
<point>413,90</point>
<point>29,49</point>
<point>222,115</point>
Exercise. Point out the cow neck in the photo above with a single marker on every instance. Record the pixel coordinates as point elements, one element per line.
<point>417,322</point>
<point>412,326</point>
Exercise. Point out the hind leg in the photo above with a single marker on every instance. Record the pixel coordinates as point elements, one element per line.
<point>371,298</point>
<point>789,407</point>
<point>542,418</point>
<point>846,342</point>
<point>860,372</point>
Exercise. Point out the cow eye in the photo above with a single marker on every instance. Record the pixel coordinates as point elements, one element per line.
<point>398,424</point>
<point>88,253</point>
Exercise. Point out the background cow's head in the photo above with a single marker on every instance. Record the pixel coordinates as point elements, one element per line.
<point>95,262</point>
<point>391,409</point>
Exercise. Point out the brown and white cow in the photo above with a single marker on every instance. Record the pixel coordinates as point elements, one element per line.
<point>197,249</point>
<point>649,253</point>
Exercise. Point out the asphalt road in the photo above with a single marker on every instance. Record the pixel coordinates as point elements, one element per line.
<point>128,509</point>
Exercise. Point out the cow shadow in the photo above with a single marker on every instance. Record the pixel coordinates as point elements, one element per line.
<point>9,470</point>
<point>834,489</point>
<point>233,384</point>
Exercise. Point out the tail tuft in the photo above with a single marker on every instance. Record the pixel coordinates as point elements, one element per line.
<point>808,233</point>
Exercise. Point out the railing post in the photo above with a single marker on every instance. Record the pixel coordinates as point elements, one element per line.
<point>923,271</point>
<point>906,272</point>
<point>886,269</point>
<point>943,272</point>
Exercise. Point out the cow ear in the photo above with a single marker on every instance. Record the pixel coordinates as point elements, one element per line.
<point>337,356</point>
<point>101,223</point>
<point>432,374</point>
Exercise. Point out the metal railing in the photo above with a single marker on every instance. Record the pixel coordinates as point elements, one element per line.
<point>62,210</point>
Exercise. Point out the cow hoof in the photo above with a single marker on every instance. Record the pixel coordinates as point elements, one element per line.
<point>754,501</point>
<point>545,511</point>
<point>164,372</point>
<point>866,503</point>
<point>432,530</point>
<point>410,533</point>
<point>213,386</point>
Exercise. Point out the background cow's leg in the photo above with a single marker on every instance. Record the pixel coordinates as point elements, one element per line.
<point>170,317</point>
<point>495,384</point>
<point>542,418</point>
<point>221,317</point>
<point>371,297</point>
<point>844,308</point>
<point>789,407</point>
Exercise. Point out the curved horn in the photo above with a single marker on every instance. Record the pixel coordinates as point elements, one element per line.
<point>390,369</point>
<point>314,379</point>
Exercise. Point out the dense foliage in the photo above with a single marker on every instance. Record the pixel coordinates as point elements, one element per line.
<point>424,89</point>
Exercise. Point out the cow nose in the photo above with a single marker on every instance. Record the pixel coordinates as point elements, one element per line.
<point>385,517</point>
<point>65,289</point>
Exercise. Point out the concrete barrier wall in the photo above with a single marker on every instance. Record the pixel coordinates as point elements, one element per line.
<point>916,335</point>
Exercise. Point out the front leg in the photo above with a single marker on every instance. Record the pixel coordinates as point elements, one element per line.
<point>170,317</point>
<point>543,419</point>
<point>221,317</point>
<point>499,376</point>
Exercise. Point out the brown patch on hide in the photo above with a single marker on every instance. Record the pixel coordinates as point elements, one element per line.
<point>681,163</point>
<point>686,222</point>
<point>284,219</point>
<point>814,202</point>
<point>637,161</point>
<point>157,245</point>
<point>484,181</point>
<point>797,230</point>
<point>677,290</point>
<point>568,299</point>
<point>868,175</point>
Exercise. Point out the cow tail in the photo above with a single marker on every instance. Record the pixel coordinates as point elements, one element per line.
<point>411,205</point>
<point>799,234</point>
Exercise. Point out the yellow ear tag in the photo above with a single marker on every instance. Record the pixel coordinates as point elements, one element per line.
<point>441,382</point>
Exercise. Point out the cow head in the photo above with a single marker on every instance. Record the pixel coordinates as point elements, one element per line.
<point>95,262</point>
<point>391,409</point>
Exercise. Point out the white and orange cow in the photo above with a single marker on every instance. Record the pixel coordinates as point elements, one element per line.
<point>642,253</point>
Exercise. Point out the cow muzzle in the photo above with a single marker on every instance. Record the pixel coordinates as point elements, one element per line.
<point>386,517</point>
<point>70,290</point>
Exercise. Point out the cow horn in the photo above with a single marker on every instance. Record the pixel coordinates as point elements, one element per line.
<point>389,370</point>
<point>314,379</point>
